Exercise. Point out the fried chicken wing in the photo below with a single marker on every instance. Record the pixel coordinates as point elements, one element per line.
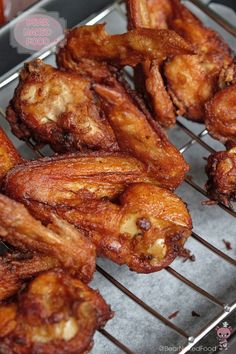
<point>59,240</point>
<point>148,79</point>
<point>164,219</point>
<point>141,136</point>
<point>54,314</point>
<point>221,171</point>
<point>193,80</point>
<point>17,267</point>
<point>9,156</point>
<point>58,108</point>
<point>146,230</point>
<point>130,48</point>
<point>220,115</point>
<point>67,179</point>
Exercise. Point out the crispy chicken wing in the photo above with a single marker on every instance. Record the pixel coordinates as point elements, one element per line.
<point>58,108</point>
<point>130,48</point>
<point>9,156</point>
<point>139,135</point>
<point>220,115</point>
<point>161,218</point>
<point>67,179</point>
<point>55,314</point>
<point>221,171</point>
<point>148,79</point>
<point>59,240</point>
<point>192,80</point>
<point>17,267</point>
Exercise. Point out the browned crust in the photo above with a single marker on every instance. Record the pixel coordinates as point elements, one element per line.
<point>59,240</point>
<point>221,171</point>
<point>58,108</point>
<point>35,321</point>
<point>220,115</point>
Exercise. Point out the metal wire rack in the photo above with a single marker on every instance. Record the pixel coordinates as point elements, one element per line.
<point>225,308</point>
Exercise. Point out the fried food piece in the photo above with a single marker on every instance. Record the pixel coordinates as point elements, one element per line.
<point>17,267</point>
<point>9,156</point>
<point>58,108</point>
<point>66,180</point>
<point>130,48</point>
<point>139,135</point>
<point>221,171</point>
<point>193,80</point>
<point>59,240</point>
<point>162,220</point>
<point>142,13</point>
<point>55,314</point>
<point>220,115</point>
<point>159,12</point>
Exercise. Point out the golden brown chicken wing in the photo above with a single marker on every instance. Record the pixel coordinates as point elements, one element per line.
<point>58,108</point>
<point>148,79</point>
<point>220,115</point>
<point>54,314</point>
<point>162,220</point>
<point>130,48</point>
<point>17,267</point>
<point>59,240</point>
<point>67,179</point>
<point>139,135</point>
<point>221,171</point>
<point>193,80</point>
<point>9,156</point>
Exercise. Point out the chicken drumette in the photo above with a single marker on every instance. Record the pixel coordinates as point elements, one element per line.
<point>54,314</point>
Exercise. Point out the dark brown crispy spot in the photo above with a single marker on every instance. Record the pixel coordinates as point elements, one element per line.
<point>143,224</point>
<point>173,315</point>
<point>227,244</point>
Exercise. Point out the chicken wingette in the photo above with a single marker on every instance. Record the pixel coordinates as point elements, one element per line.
<point>58,108</point>
<point>54,314</point>
<point>59,240</point>
<point>138,134</point>
<point>143,226</point>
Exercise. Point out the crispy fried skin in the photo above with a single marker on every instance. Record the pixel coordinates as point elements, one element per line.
<point>111,225</point>
<point>59,240</point>
<point>67,179</point>
<point>17,267</point>
<point>142,14</point>
<point>221,171</point>
<point>146,230</point>
<point>54,314</point>
<point>58,108</point>
<point>130,48</point>
<point>193,80</point>
<point>9,156</point>
<point>141,136</point>
<point>220,115</point>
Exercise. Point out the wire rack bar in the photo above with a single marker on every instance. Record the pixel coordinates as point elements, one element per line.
<point>195,138</point>
<point>195,287</point>
<point>214,249</point>
<point>115,341</point>
<point>215,16</point>
<point>141,303</point>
